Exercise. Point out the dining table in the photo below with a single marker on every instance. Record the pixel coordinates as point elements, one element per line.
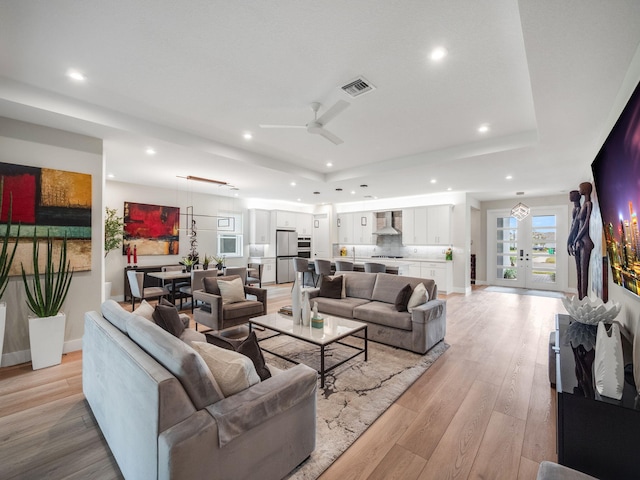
<point>174,276</point>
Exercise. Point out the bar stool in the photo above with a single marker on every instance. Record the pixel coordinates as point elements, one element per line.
<point>300,265</point>
<point>371,267</point>
<point>323,267</point>
<point>344,266</point>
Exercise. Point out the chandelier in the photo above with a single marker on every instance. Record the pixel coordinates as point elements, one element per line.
<point>520,211</point>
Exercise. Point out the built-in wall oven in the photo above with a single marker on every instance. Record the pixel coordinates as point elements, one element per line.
<point>304,247</point>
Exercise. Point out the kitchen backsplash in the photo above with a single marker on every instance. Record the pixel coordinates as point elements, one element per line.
<point>391,246</point>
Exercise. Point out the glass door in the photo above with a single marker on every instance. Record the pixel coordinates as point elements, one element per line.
<point>525,254</point>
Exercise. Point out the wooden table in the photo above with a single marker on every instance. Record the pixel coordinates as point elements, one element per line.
<point>335,329</point>
<point>174,276</point>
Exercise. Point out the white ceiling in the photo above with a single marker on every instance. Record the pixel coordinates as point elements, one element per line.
<point>189,78</point>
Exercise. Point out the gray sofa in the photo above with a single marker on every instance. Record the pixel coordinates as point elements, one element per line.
<point>163,414</point>
<point>370,298</point>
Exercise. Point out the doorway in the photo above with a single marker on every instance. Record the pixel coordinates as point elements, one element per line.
<point>530,253</point>
<point>321,243</point>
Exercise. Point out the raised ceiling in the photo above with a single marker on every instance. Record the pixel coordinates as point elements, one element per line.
<point>190,78</point>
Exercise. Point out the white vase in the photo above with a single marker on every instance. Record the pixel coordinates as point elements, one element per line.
<point>46,339</point>
<point>3,321</point>
<point>306,309</point>
<point>608,365</point>
<point>296,301</point>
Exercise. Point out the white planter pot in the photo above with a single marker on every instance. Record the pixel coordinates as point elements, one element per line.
<point>3,321</point>
<point>46,338</point>
<point>107,290</point>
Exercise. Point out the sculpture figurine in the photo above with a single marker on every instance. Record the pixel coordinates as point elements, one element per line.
<point>581,244</point>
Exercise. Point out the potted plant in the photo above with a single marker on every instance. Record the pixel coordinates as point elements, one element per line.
<point>45,296</point>
<point>206,261</point>
<point>219,262</point>
<point>188,262</point>
<point>6,259</point>
<point>113,231</point>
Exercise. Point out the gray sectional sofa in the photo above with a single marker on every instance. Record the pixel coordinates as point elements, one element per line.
<point>164,416</point>
<point>370,298</point>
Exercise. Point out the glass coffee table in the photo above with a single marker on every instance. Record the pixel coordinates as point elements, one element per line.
<point>335,329</point>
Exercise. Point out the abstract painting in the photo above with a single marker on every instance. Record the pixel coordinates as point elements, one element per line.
<point>151,229</point>
<point>47,202</point>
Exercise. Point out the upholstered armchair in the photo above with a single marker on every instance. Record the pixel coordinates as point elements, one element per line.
<point>218,315</point>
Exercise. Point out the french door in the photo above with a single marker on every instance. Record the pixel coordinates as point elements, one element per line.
<point>530,253</point>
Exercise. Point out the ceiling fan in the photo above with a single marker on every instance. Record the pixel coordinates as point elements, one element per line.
<point>316,126</point>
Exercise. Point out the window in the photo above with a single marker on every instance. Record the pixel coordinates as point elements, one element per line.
<point>230,245</point>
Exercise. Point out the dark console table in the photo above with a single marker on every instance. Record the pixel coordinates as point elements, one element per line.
<point>597,435</point>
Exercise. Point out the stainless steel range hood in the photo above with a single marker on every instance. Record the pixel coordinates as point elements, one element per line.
<point>387,229</point>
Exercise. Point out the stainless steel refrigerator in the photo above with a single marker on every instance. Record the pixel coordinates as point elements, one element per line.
<point>286,250</point>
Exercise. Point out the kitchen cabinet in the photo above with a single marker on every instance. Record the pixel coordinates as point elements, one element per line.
<point>304,224</point>
<point>439,225</point>
<point>259,226</point>
<point>441,273</point>
<point>345,228</point>
<point>286,219</point>
<point>426,225</point>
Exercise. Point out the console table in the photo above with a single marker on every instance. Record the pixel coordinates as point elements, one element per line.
<point>596,435</point>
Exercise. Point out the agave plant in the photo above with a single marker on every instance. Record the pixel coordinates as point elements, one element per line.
<point>46,295</point>
<point>6,259</point>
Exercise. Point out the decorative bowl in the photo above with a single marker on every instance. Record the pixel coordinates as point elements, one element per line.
<point>589,311</point>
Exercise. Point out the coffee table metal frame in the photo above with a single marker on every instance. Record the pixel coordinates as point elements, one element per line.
<point>305,333</point>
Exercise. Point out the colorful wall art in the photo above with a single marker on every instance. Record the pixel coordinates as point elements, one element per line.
<point>47,201</point>
<point>151,229</point>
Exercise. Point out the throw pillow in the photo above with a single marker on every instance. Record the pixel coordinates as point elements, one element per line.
<point>251,349</point>
<point>231,291</point>
<point>168,318</point>
<point>343,293</point>
<point>210,285</point>
<point>248,347</point>
<point>402,299</point>
<point>418,297</point>
<point>331,287</point>
<point>145,310</point>
<point>232,371</point>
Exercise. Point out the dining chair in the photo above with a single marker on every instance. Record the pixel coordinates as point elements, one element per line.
<point>300,265</point>
<point>344,266</point>
<point>240,271</point>
<point>254,274</point>
<point>136,285</point>
<point>372,267</point>
<point>196,284</point>
<point>323,267</point>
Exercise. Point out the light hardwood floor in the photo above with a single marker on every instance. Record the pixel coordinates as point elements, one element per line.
<point>484,410</point>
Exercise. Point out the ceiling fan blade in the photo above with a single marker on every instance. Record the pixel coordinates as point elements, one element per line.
<point>282,126</point>
<point>338,107</point>
<point>329,136</point>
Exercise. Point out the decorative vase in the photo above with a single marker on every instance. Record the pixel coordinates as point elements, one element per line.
<point>205,266</point>
<point>3,319</point>
<point>46,340</point>
<point>296,301</point>
<point>608,366</point>
<point>306,309</point>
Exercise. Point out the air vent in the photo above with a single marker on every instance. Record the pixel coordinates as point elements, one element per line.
<point>357,87</point>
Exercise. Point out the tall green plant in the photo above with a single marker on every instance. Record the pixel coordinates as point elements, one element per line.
<point>46,295</point>
<point>113,225</point>
<point>6,259</point>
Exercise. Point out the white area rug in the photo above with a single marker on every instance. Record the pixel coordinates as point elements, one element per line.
<point>355,394</point>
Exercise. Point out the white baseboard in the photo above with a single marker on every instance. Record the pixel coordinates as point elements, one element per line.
<point>24,356</point>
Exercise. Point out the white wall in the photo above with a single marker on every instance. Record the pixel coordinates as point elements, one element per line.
<point>205,208</point>
<point>33,145</point>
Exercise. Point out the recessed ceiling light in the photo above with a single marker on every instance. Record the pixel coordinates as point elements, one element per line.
<point>247,136</point>
<point>329,164</point>
<point>449,189</point>
<point>438,53</point>
<point>433,180</point>
<point>353,192</point>
<point>150,151</point>
<point>509,177</point>
<point>293,184</point>
<point>299,199</point>
<point>236,194</point>
<point>111,175</point>
<point>483,128</point>
<point>77,76</point>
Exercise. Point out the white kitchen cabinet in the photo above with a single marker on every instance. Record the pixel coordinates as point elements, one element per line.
<point>286,219</point>
<point>304,224</point>
<point>259,226</point>
<point>414,226</point>
<point>438,225</point>
<point>413,270</point>
<point>268,270</point>
<point>363,224</point>
<point>440,272</point>
<point>345,228</point>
